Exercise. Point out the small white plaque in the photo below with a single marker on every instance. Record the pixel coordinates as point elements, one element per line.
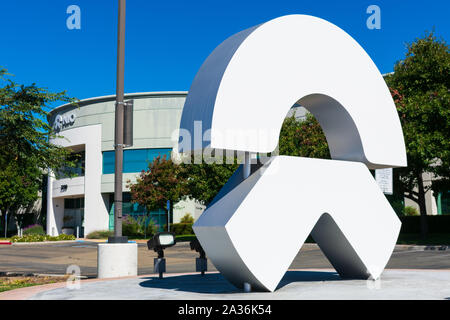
<point>384,180</point>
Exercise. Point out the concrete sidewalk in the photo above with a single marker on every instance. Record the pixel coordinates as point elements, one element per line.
<point>304,284</point>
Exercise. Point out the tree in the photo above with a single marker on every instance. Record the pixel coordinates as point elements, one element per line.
<point>163,181</point>
<point>25,149</point>
<point>204,180</point>
<point>303,138</point>
<point>420,89</point>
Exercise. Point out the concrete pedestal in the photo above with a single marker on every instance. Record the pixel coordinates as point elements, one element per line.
<point>117,260</point>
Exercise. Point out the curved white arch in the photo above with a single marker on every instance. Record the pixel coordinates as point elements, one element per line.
<point>251,80</point>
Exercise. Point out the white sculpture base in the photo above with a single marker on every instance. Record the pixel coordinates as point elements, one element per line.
<point>255,227</point>
<point>117,260</point>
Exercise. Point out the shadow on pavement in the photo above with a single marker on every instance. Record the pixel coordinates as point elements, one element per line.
<point>215,283</point>
<point>305,276</point>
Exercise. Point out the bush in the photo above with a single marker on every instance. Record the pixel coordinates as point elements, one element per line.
<point>187,218</point>
<point>130,227</point>
<point>40,238</point>
<point>181,228</point>
<point>138,227</point>
<point>34,229</point>
<point>410,211</point>
<point>398,206</point>
<point>100,234</point>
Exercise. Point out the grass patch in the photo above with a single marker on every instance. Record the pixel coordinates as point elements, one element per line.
<point>11,283</point>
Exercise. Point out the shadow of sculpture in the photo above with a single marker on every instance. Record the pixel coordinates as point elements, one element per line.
<point>215,283</point>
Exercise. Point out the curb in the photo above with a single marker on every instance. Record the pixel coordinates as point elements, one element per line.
<point>33,274</point>
<point>44,242</point>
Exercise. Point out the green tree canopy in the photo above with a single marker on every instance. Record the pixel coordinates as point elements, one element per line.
<point>25,149</point>
<point>205,180</point>
<point>303,138</point>
<point>420,88</point>
<point>164,180</point>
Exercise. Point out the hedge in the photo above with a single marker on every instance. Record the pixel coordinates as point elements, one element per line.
<point>436,224</point>
<point>34,229</point>
<point>181,228</point>
<point>40,238</point>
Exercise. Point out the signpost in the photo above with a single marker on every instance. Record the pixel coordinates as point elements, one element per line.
<point>168,215</point>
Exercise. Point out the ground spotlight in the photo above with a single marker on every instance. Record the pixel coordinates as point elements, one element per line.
<point>158,243</point>
<point>201,263</point>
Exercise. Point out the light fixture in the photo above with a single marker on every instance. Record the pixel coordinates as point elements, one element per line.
<point>158,243</point>
<point>201,263</point>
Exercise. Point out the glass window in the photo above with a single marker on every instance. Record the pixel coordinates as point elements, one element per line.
<point>159,217</point>
<point>134,160</point>
<point>108,162</point>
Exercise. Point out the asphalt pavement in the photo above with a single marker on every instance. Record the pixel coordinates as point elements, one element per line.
<point>54,258</point>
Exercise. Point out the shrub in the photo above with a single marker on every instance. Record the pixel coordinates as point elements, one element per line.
<point>181,228</point>
<point>100,234</point>
<point>187,218</point>
<point>411,211</point>
<point>398,207</point>
<point>130,227</point>
<point>40,238</point>
<point>34,229</point>
<point>138,227</point>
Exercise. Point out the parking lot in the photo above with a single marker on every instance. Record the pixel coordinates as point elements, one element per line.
<point>55,258</point>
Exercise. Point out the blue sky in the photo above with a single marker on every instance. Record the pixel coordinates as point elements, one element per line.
<point>167,41</point>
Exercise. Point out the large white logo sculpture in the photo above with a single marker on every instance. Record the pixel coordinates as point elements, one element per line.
<point>256,225</point>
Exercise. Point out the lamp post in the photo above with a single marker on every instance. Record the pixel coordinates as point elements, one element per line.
<point>119,123</point>
<point>118,258</point>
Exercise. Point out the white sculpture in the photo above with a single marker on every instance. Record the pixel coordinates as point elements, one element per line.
<point>255,226</point>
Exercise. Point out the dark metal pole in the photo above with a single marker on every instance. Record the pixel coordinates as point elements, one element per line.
<point>118,147</point>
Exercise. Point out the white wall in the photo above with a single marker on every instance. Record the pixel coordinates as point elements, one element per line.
<point>194,208</point>
<point>430,199</point>
<point>95,211</point>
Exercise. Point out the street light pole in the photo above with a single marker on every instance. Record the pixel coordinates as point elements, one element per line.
<point>118,139</point>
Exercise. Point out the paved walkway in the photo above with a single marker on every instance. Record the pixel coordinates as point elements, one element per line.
<point>297,284</point>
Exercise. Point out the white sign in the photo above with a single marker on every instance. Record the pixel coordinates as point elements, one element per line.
<point>384,180</point>
<point>64,120</point>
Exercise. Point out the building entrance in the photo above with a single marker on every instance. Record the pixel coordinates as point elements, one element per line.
<point>74,216</point>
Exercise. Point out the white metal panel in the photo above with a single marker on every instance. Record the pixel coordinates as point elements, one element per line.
<point>250,81</point>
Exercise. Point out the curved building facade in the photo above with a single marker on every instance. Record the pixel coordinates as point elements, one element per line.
<point>83,202</point>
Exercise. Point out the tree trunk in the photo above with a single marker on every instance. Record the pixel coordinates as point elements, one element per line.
<point>422,207</point>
